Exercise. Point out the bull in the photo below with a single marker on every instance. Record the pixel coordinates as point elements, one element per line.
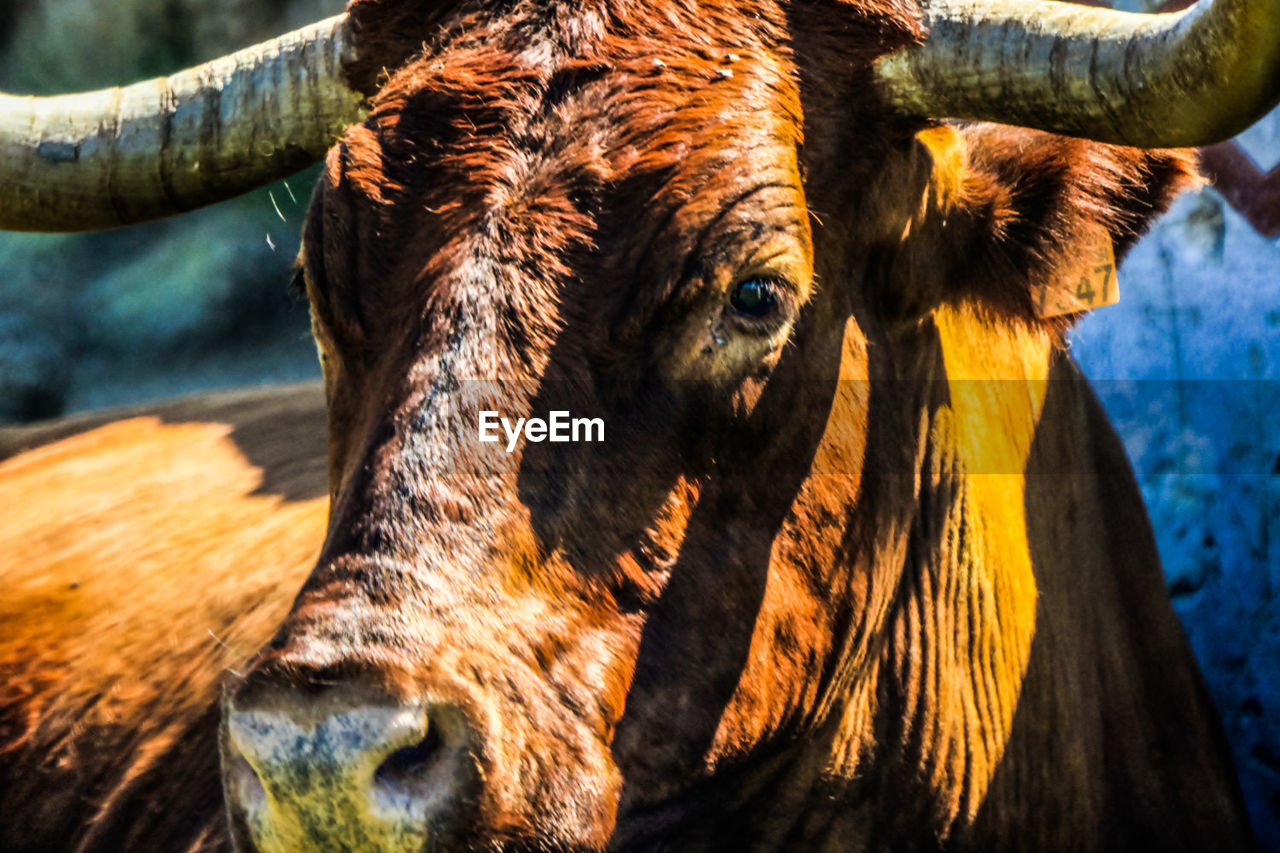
<point>860,563</point>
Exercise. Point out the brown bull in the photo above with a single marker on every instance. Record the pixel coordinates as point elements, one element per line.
<point>859,563</point>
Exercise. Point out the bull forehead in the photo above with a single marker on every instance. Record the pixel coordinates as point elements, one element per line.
<point>527,159</point>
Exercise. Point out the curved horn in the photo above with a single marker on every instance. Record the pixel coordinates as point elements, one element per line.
<point>1180,79</point>
<point>119,156</point>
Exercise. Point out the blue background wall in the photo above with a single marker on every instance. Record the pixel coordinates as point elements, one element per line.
<point>1187,364</point>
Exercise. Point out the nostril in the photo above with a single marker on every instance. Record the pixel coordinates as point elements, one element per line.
<point>244,784</point>
<point>405,770</point>
<point>395,769</point>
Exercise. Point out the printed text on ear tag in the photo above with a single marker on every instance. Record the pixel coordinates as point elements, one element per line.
<point>1088,283</point>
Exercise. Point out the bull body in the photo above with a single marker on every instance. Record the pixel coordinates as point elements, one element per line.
<point>133,577</point>
<point>864,568</point>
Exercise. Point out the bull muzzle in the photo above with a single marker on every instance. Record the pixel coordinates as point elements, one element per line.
<point>344,772</point>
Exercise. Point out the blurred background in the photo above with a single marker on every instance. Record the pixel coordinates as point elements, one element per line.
<point>196,302</point>
<point>1187,363</point>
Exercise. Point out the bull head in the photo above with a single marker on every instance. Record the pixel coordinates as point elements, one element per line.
<point>608,209</point>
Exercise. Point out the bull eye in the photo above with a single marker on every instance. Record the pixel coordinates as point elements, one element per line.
<point>755,297</point>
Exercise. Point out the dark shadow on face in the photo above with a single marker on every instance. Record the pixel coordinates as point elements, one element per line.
<point>594,502</point>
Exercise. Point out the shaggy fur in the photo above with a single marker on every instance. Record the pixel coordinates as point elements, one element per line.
<point>143,555</point>
<point>867,572</point>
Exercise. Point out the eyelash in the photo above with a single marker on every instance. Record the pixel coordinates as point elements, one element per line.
<point>756,298</point>
<point>779,301</point>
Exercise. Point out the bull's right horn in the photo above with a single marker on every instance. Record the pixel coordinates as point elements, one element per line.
<point>119,156</point>
<point>1179,79</point>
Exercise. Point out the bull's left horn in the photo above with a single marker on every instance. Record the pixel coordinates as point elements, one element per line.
<point>1179,79</point>
<point>163,146</point>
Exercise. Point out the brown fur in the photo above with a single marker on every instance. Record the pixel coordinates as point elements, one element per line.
<point>143,555</point>
<point>857,578</point>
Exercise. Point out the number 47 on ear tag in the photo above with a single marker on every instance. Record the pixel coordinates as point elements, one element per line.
<point>1089,283</point>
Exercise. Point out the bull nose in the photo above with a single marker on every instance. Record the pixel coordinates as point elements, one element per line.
<point>345,776</point>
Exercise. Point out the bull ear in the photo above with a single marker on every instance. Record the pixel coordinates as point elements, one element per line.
<point>1012,212</point>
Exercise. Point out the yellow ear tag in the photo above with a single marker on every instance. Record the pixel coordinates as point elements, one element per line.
<point>1089,283</point>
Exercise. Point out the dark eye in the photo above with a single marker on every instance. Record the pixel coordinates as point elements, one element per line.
<point>754,297</point>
